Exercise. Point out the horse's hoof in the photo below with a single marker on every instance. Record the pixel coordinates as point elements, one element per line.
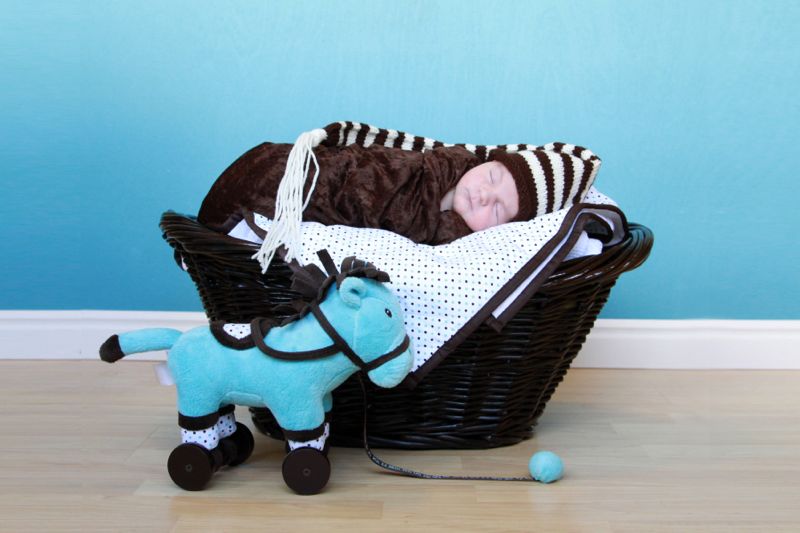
<point>190,466</point>
<point>243,438</point>
<point>306,470</point>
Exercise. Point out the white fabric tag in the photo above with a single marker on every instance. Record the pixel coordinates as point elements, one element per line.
<point>163,374</point>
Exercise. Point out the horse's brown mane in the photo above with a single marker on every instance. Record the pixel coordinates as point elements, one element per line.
<point>312,283</point>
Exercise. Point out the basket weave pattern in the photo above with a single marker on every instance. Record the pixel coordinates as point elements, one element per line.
<point>489,392</point>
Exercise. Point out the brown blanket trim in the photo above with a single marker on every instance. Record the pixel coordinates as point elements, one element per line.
<point>584,219</point>
<point>250,219</point>
<point>571,228</point>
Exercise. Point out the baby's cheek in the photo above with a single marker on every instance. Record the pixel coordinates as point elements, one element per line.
<point>477,221</point>
<point>465,216</point>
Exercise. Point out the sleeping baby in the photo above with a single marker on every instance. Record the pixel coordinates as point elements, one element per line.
<point>485,196</point>
<point>430,196</point>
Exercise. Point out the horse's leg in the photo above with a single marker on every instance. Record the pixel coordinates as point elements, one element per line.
<point>200,430</point>
<point>226,424</point>
<point>236,440</point>
<point>303,421</point>
<point>327,404</point>
<point>192,464</point>
<point>319,443</point>
<point>306,468</point>
<point>198,403</point>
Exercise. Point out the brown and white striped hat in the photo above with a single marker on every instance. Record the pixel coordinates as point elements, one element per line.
<point>548,178</point>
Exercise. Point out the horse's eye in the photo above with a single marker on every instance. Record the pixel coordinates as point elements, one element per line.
<point>388,313</point>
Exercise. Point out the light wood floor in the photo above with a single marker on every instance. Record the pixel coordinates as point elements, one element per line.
<point>83,446</point>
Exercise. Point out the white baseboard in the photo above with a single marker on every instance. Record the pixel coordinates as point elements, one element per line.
<point>613,343</point>
<point>79,334</point>
<point>692,344</point>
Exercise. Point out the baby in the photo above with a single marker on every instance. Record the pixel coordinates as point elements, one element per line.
<point>430,196</point>
<point>485,196</point>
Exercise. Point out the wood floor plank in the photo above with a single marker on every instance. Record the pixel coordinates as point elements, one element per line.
<point>84,446</point>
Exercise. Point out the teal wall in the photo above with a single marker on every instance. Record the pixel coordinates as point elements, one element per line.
<point>112,112</point>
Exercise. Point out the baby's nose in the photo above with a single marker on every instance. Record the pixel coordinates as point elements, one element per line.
<point>486,195</point>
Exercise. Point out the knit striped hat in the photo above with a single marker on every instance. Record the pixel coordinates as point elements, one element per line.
<point>548,178</point>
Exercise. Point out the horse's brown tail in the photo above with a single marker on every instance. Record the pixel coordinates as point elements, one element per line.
<point>141,340</point>
<point>111,351</point>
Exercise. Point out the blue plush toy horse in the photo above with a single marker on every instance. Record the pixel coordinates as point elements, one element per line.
<point>354,323</point>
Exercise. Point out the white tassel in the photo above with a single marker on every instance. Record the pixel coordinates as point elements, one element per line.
<point>289,205</point>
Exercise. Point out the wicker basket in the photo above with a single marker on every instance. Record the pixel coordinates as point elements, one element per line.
<point>489,392</point>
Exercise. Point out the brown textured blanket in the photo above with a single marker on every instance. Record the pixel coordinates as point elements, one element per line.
<point>374,187</point>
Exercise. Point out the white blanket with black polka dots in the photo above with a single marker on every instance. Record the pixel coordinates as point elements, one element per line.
<point>448,291</point>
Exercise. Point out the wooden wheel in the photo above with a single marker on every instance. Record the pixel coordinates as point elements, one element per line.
<point>190,466</point>
<point>306,470</point>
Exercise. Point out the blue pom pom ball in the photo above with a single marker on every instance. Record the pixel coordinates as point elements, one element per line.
<point>546,467</point>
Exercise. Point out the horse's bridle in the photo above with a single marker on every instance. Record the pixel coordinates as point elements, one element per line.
<point>339,345</point>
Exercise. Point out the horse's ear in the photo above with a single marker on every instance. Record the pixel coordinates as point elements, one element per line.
<point>352,290</point>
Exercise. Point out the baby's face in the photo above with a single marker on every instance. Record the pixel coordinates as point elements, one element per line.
<point>486,196</point>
